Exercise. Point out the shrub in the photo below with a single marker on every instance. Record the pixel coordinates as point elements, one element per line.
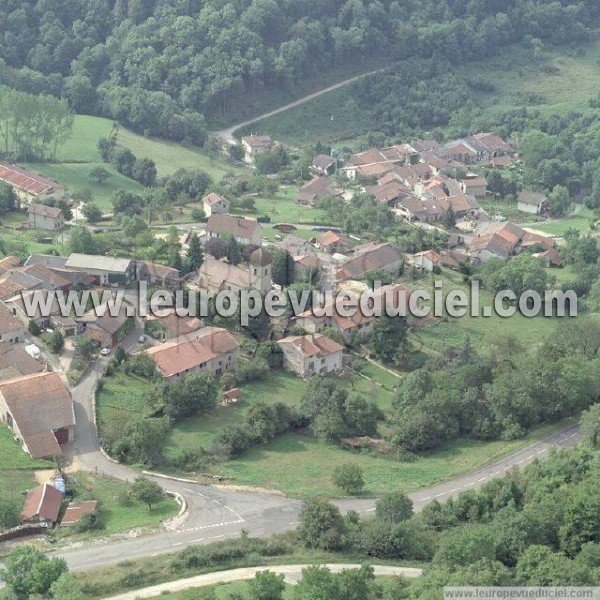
<point>349,478</point>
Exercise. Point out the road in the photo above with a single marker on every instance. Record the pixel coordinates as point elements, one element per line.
<point>217,513</point>
<point>227,134</point>
<point>291,573</point>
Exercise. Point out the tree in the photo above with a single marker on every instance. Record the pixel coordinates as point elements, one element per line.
<point>560,200</point>
<point>91,212</point>
<point>100,175</point>
<point>389,337</point>
<point>234,255</point>
<point>82,241</point>
<point>237,151</point>
<point>34,328</point>
<point>8,198</point>
<point>466,546</point>
<point>64,205</point>
<point>590,425</point>
<point>216,247</point>
<point>195,394</point>
<point>448,219</point>
<point>9,511</point>
<point>195,252</point>
<point>267,586</point>
<point>144,171</point>
<point>85,346</point>
<point>56,342</point>
<point>28,571</point>
<point>349,478</point>
<point>147,491</point>
<point>66,587</point>
<point>393,508</point>
<point>321,525</point>
<point>282,267</point>
<point>120,355</point>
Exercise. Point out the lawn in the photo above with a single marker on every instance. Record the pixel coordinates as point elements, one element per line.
<point>581,219</point>
<point>75,177</point>
<point>18,468</point>
<point>282,208</point>
<point>301,466</point>
<point>482,331</point>
<point>118,514</point>
<point>25,241</point>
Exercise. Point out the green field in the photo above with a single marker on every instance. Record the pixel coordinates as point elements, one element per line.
<point>552,80</point>
<point>117,514</point>
<point>18,468</point>
<point>80,155</point>
<point>482,331</point>
<point>24,241</point>
<point>581,219</point>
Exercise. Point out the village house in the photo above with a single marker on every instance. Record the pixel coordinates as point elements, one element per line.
<point>39,411</point>
<point>169,325</point>
<point>502,240</point>
<point>242,230</point>
<point>11,328</point>
<point>323,165</point>
<point>306,266</point>
<point>15,362</point>
<point>26,309</point>
<point>158,275</point>
<point>359,323</point>
<point>532,202</point>
<point>216,275</point>
<point>76,510</point>
<point>313,354</point>
<point>257,144</point>
<point>389,191</point>
<point>45,217</point>
<point>29,186</point>
<point>104,269</point>
<point>214,204</point>
<point>377,162</point>
<point>369,257</point>
<point>103,328</point>
<point>427,260</point>
<point>334,243</point>
<point>295,245</point>
<point>317,189</point>
<point>474,186</point>
<point>8,263</point>
<point>42,505</point>
<point>211,350</point>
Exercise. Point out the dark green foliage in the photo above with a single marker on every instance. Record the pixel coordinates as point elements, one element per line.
<point>321,525</point>
<point>349,478</point>
<point>196,393</point>
<point>147,491</point>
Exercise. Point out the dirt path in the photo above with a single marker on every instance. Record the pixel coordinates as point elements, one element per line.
<point>292,574</point>
<point>227,134</point>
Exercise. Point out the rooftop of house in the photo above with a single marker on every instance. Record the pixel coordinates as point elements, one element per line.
<point>331,237</point>
<point>213,273</point>
<point>176,325</point>
<point>213,198</point>
<point>323,161</point>
<point>76,510</point>
<point>43,501</point>
<point>258,141</point>
<point>234,226</point>
<point>8,322</point>
<point>52,212</point>
<point>503,238</point>
<point>15,362</point>
<point>531,198</point>
<point>39,403</point>
<point>368,257</point>
<point>179,356</point>
<point>312,345</point>
<point>26,180</point>
<point>98,263</point>
<point>316,188</point>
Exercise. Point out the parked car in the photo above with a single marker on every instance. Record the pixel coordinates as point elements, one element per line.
<point>105,351</point>
<point>142,339</point>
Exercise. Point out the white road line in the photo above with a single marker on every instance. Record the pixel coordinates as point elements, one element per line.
<point>540,451</point>
<point>483,478</point>
<point>295,523</point>
<point>370,510</point>
<point>428,498</point>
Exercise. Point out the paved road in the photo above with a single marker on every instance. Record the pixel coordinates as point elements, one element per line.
<point>216,513</point>
<point>227,134</point>
<point>292,574</point>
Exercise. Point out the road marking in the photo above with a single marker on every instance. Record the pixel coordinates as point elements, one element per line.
<point>428,498</point>
<point>370,510</point>
<point>540,451</point>
<point>483,478</point>
<point>214,537</point>
<point>188,490</point>
<point>295,523</point>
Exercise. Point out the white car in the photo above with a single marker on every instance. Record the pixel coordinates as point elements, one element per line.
<point>105,351</point>
<point>141,339</point>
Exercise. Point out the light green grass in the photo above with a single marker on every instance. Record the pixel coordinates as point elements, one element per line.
<point>170,156</point>
<point>581,220</point>
<point>282,208</point>
<point>482,331</point>
<point>118,515</point>
<point>30,239</point>
<point>222,592</point>
<point>75,177</point>
<point>202,430</point>
<point>17,468</point>
<point>301,466</point>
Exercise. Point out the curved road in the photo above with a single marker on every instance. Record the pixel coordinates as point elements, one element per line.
<point>291,573</point>
<point>227,134</point>
<point>217,513</point>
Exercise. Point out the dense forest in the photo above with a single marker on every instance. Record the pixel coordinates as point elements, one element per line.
<point>162,66</point>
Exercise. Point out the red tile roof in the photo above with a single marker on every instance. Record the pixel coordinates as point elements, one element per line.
<point>43,501</point>
<point>26,181</point>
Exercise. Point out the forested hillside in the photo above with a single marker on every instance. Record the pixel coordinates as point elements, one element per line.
<point>164,66</point>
